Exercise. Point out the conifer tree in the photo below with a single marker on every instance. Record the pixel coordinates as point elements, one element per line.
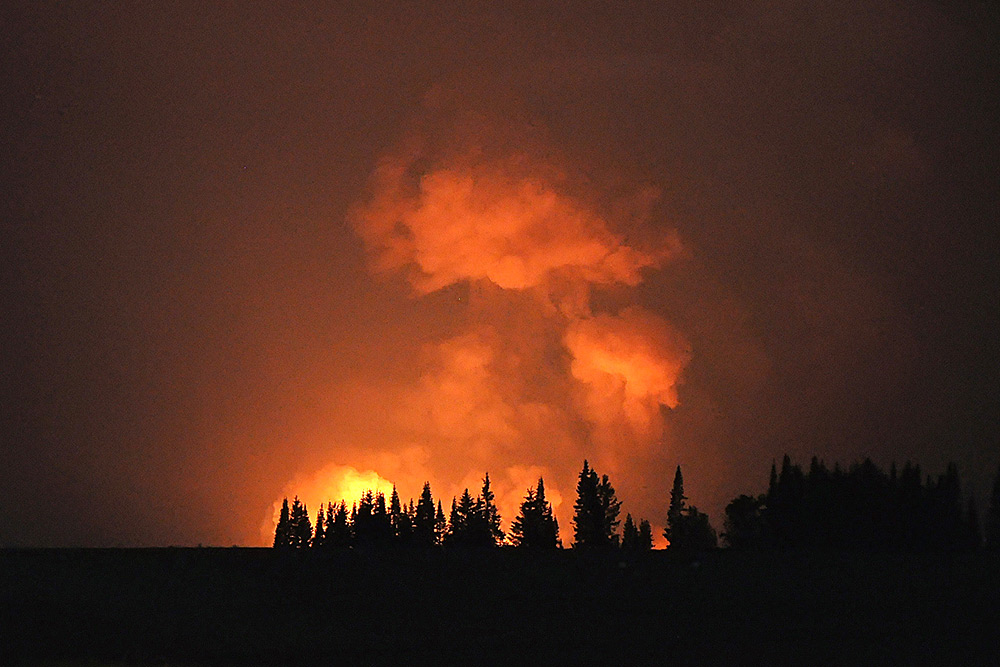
<point>687,528</point>
<point>423,521</point>
<point>440,524</point>
<point>466,520</point>
<point>364,520</point>
<point>675,512</point>
<point>319,532</point>
<point>588,516</point>
<point>339,530</point>
<point>395,512</point>
<point>630,535</point>
<point>491,514</point>
<point>595,513</point>
<point>610,508</point>
<point>300,525</point>
<point>535,526</point>
<point>645,536</point>
<point>283,531</point>
<point>382,529</point>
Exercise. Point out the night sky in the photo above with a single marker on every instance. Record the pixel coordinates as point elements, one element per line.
<point>252,250</point>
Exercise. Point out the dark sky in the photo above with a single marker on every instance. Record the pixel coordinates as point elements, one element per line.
<point>251,250</point>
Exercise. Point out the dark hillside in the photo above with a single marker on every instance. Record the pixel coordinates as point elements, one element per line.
<point>256,606</point>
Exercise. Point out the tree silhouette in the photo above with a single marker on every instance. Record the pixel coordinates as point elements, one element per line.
<point>300,526</point>
<point>535,526</point>
<point>859,508</point>
<point>440,524</point>
<point>490,514</point>
<point>338,532</point>
<point>630,534</point>
<point>423,521</point>
<point>675,512</point>
<point>588,517</point>
<point>645,542</point>
<point>595,513</point>
<point>464,521</point>
<point>395,514</point>
<point>687,528</point>
<point>283,531</point>
<point>610,508</point>
<point>319,534</point>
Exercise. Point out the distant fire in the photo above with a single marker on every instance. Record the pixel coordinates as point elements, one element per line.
<point>534,380</point>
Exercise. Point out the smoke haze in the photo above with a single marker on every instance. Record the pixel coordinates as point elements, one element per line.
<point>253,251</point>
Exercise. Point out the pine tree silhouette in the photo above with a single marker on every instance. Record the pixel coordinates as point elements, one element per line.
<point>610,508</point>
<point>440,525</point>
<point>465,521</point>
<point>630,535</point>
<point>535,526</point>
<point>687,528</point>
<point>491,514</point>
<point>338,528</point>
<point>300,525</point>
<point>319,532</point>
<point>675,512</point>
<point>283,531</point>
<point>645,542</point>
<point>588,516</point>
<point>423,521</point>
<point>595,517</point>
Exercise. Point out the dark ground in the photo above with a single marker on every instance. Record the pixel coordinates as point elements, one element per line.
<point>253,606</point>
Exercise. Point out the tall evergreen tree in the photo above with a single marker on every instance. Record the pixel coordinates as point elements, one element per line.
<point>535,526</point>
<point>645,536</point>
<point>687,528</point>
<point>675,512</point>
<point>465,521</point>
<point>423,521</point>
<point>630,535</point>
<point>338,533</point>
<point>588,515</point>
<point>610,508</point>
<point>319,531</point>
<point>364,521</point>
<point>595,513</point>
<point>491,514</point>
<point>395,512</point>
<point>300,525</point>
<point>440,524</point>
<point>283,531</point>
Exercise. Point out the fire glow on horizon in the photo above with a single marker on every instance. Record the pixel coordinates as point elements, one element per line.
<point>536,379</point>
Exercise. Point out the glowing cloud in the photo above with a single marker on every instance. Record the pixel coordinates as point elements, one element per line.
<point>534,381</point>
<point>629,364</point>
<point>492,221</point>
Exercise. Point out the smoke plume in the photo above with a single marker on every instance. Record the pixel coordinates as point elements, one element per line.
<point>536,377</point>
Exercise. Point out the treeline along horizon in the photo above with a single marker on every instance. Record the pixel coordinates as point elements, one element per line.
<point>860,507</point>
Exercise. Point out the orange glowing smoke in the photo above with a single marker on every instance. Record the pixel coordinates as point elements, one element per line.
<point>534,381</point>
<point>331,484</point>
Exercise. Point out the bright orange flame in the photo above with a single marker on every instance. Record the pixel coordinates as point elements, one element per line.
<point>331,484</point>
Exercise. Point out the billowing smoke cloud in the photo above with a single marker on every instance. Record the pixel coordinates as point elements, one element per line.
<point>538,377</point>
<point>499,221</point>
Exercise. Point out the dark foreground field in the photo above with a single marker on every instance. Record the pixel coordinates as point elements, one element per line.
<point>254,606</point>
